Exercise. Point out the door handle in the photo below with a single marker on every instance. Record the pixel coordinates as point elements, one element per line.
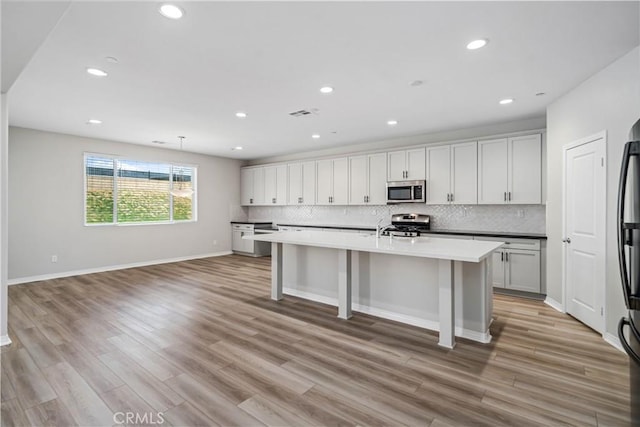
<point>623,340</point>
<point>567,240</point>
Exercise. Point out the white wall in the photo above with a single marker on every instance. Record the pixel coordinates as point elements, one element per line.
<point>609,100</point>
<point>524,125</point>
<point>46,217</point>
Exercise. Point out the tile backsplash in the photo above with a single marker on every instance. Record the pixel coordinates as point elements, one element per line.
<point>506,218</point>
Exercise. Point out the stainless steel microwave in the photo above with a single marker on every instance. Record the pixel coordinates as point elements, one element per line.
<point>406,192</point>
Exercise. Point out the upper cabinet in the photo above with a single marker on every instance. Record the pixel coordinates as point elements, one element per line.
<point>367,179</point>
<point>332,177</point>
<point>275,185</point>
<point>302,183</point>
<point>497,171</point>
<point>406,165</point>
<point>510,170</point>
<point>452,174</point>
<point>252,186</point>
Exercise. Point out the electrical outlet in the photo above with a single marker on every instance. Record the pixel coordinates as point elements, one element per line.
<point>54,258</point>
<point>520,213</point>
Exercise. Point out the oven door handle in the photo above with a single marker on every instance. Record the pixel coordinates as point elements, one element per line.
<point>625,344</point>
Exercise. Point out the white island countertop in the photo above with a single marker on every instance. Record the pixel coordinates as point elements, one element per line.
<point>425,247</point>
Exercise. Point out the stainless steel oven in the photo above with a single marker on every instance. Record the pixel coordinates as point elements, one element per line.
<point>406,192</point>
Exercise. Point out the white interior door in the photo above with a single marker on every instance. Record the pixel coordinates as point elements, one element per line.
<point>584,230</point>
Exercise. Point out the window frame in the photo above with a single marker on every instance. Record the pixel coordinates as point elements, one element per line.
<point>115,158</point>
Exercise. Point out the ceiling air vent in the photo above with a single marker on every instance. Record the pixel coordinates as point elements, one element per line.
<point>302,113</point>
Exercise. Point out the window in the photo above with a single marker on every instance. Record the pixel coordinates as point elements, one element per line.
<point>119,191</point>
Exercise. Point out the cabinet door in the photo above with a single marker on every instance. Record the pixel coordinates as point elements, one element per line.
<point>358,170</point>
<point>270,185</point>
<point>324,177</point>
<point>236,241</point>
<point>295,184</point>
<point>396,163</point>
<point>309,183</point>
<point>281,185</point>
<point>525,169</point>
<point>258,186</point>
<point>416,164</point>
<point>438,175</point>
<point>246,186</point>
<point>492,173</point>
<point>522,270</point>
<point>377,179</point>
<point>497,269</point>
<point>340,182</point>
<point>464,173</point>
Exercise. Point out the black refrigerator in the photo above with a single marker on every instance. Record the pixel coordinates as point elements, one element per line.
<point>629,258</point>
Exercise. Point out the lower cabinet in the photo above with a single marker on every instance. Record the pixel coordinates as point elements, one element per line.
<point>517,265</point>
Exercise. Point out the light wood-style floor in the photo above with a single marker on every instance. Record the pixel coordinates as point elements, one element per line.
<point>201,343</point>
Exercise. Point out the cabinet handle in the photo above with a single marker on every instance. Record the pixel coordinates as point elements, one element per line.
<point>502,256</point>
<point>250,201</point>
<point>448,197</point>
<point>452,197</point>
<point>364,199</point>
<point>506,256</point>
<point>273,200</point>
<point>509,195</point>
<point>505,196</point>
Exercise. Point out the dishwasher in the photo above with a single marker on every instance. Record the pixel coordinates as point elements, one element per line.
<point>246,247</point>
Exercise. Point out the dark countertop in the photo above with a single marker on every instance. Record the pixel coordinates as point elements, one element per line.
<point>252,222</point>
<point>337,227</point>
<point>506,234</point>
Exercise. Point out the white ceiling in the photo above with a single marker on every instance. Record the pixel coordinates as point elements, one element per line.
<point>190,77</point>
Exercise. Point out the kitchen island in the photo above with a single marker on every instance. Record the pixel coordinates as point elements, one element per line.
<point>436,283</point>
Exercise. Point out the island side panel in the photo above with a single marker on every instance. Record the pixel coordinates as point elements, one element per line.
<point>396,287</point>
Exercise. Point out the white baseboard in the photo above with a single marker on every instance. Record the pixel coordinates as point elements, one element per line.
<point>554,304</point>
<point>483,337</point>
<point>4,340</point>
<point>20,280</point>
<point>613,340</point>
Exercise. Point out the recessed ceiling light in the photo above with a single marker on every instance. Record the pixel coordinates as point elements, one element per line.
<point>241,115</point>
<point>315,136</point>
<point>506,101</point>
<point>96,72</point>
<point>477,44</point>
<point>237,148</point>
<point>326,89</point>
<point>94,122</point>
<point>171,11</point>
<point>392,122</point>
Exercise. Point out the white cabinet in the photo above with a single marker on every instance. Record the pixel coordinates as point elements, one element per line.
<point>302,183</point>
<point>510,170</point>
<point>516,266</point>
<point>367,179</point>
<point>275,185</point>
<point>452,174</point>
<point>332,178</point>
<point>238,244</point>
<point>406,165</point>
<point>252,186</point>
